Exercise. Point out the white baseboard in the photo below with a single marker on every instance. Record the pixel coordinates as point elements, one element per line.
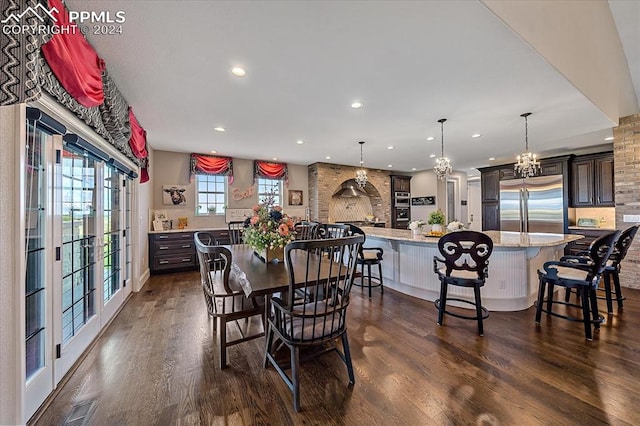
<point>144,277</point>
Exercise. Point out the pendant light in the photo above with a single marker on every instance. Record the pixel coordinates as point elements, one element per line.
<point>527,165</point>
<point>361,174</point>
<point>443,166</point>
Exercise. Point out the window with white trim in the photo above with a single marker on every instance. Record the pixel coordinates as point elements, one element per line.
<point>211,194</point>
<point>266,187</point>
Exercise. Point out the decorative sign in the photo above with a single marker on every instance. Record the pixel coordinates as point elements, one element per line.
<point>235,215</point>
<point>424,201</point>
<point>238,195</point>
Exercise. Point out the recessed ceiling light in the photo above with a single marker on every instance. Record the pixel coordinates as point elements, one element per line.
<point>413,168</point>
<point>432,156</point>
<point>492,158</point>
<point>389,165</point>
<point>610,138</point>
<point>328,157</point>
<point>476,135</point>
<point>430,138</point>
<point>275,158</point>
<point>214,152</point>
<point>300,142</point>
<point>238,72</point>
<point>219,129</point>
<point>357,104</point>
<point>390,147</point>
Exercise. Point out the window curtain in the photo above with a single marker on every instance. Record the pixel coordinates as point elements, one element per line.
<point>202,164</point>
<point>271,170</point>
<point>73,61</point>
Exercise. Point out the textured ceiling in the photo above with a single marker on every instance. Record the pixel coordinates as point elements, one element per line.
<point>411,63</point>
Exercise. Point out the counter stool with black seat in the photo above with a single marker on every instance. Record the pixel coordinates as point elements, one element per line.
<point>582,274</point>
<point>464,263</point>
<point>369,256</point>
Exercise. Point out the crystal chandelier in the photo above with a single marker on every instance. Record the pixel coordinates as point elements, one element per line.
<point>361,175</point>
<point>527,165</point>
<point>443,166</point>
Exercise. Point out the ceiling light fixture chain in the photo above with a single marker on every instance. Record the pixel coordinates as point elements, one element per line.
<point>361,174</point>
<point>527,165</point>
<point>443,165</point>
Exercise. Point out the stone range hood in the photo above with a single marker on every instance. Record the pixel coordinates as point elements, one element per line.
<point>351,189</point>
<point>326,179</point>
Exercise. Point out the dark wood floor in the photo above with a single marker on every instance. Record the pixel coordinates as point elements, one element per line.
<point>156,364</point>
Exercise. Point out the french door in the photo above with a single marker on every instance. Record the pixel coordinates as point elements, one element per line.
<point>77,256</point>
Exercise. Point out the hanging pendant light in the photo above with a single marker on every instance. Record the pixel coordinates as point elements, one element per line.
<point>527,165</point>
<point>361,175</point>
<point>443,166</point>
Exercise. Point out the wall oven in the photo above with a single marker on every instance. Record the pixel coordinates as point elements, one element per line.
<point>402,214</point>
<point>402,199</point>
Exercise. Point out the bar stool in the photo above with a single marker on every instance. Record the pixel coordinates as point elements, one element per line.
<point>369,256</point>
<point>583,274</point>
<point>457,250</point>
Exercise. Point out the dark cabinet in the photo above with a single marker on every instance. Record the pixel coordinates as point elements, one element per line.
<point>400,213</point>
<point>400,184</point>
<point>490,186</point>
<point>491,216</point>
<point>580,246</point>
<point>592,181</point>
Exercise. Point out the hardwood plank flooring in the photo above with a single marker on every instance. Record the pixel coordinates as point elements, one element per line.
<point>156,364</point>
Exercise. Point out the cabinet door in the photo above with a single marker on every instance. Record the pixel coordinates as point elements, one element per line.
<point>548,168</point>
<point>401,184</point>
<point>490,216</point>
<point>604,188</point>
<point>490,186</point>
<point>582,185</point>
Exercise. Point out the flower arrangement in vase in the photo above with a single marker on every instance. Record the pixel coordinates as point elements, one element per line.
<point>436,220</point>
<point>268,230</point>
<point>416,226</point>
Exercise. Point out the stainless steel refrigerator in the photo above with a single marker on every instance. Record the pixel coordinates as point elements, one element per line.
<point>532,205</point>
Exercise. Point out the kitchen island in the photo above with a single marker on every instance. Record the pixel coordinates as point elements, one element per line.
<point>512,284</point>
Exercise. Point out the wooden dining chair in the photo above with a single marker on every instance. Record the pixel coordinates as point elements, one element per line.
<point>306,230</point>
<point>582,274</point>
<point>223,294</point>
<point>236,228</point>
<point>320,322</point>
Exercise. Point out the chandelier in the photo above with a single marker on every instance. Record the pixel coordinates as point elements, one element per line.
<point>361,175</point>
<point>527,165</point>
<point>443,166</point>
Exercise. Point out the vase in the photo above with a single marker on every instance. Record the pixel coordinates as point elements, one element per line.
<point>417,231</point>
<point>436,227</point>
<point>269,255</point>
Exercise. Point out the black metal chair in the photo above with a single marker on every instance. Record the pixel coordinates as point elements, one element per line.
<point>583,273</point>
<point>369,256</point>
<point>223,294</point>
<point>464,263</point>
<point>612,270</point>
<point>333,230</point>
<point>306,230</point>
<point>319,322</point>
<point>236,228</point>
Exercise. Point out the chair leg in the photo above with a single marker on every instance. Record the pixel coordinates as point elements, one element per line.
<point>380,272</point>
<point>594,306</point>
<point>369,281</point>
<point>295,377</point>
<point>567,294</point>
<point>607,291</point>
<point>616,284</point>
<point>268,347</point>
<point>347,358</point>
<point>476,291</point>
<point>550,290</point>
<point>362,275</point>
<point>541,289</point>
<point>586,317</point>
<point>222,341</point>
<point>443,301</point>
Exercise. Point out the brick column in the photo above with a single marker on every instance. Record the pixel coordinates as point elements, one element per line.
<point>626,151</point>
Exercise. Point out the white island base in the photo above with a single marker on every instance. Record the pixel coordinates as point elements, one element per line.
<point>512,284</point>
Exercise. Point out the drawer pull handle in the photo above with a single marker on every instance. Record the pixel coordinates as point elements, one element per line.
<point>186,236</point>
<point>164,262</point>
<point>163,248</point>
<point>163,237</point>
<point>186,246</point>
<point>186,260</point>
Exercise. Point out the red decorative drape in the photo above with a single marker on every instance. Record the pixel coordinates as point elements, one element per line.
<point>202,164</point>
<point>271,170</point>
<point>73,61</point>
<point>138,140</point>
<point>144,171</point>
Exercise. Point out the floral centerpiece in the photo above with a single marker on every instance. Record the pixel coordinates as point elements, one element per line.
<point>436,220</point>
<point>455,226</point>
<point>268,231</point>
<point>416,226</point>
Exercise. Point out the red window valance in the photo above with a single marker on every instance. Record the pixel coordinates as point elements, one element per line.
<point>138,140</point>
<point>202,164</point>
<point>73,61</point>
<point>270,170</point>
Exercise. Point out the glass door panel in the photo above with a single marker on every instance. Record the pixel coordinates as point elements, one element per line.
<point>112,232</point>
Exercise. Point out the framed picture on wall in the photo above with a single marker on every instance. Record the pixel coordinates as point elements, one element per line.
<point>295,197</point>
<point>173,195</point>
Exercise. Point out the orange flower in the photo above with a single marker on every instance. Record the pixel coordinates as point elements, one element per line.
<point>256,208</point>
<point>283,230</point>
<point>255,220</point>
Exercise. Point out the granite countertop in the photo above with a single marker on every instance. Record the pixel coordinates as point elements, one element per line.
<point>170,231</point>
<point>500,238</point>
